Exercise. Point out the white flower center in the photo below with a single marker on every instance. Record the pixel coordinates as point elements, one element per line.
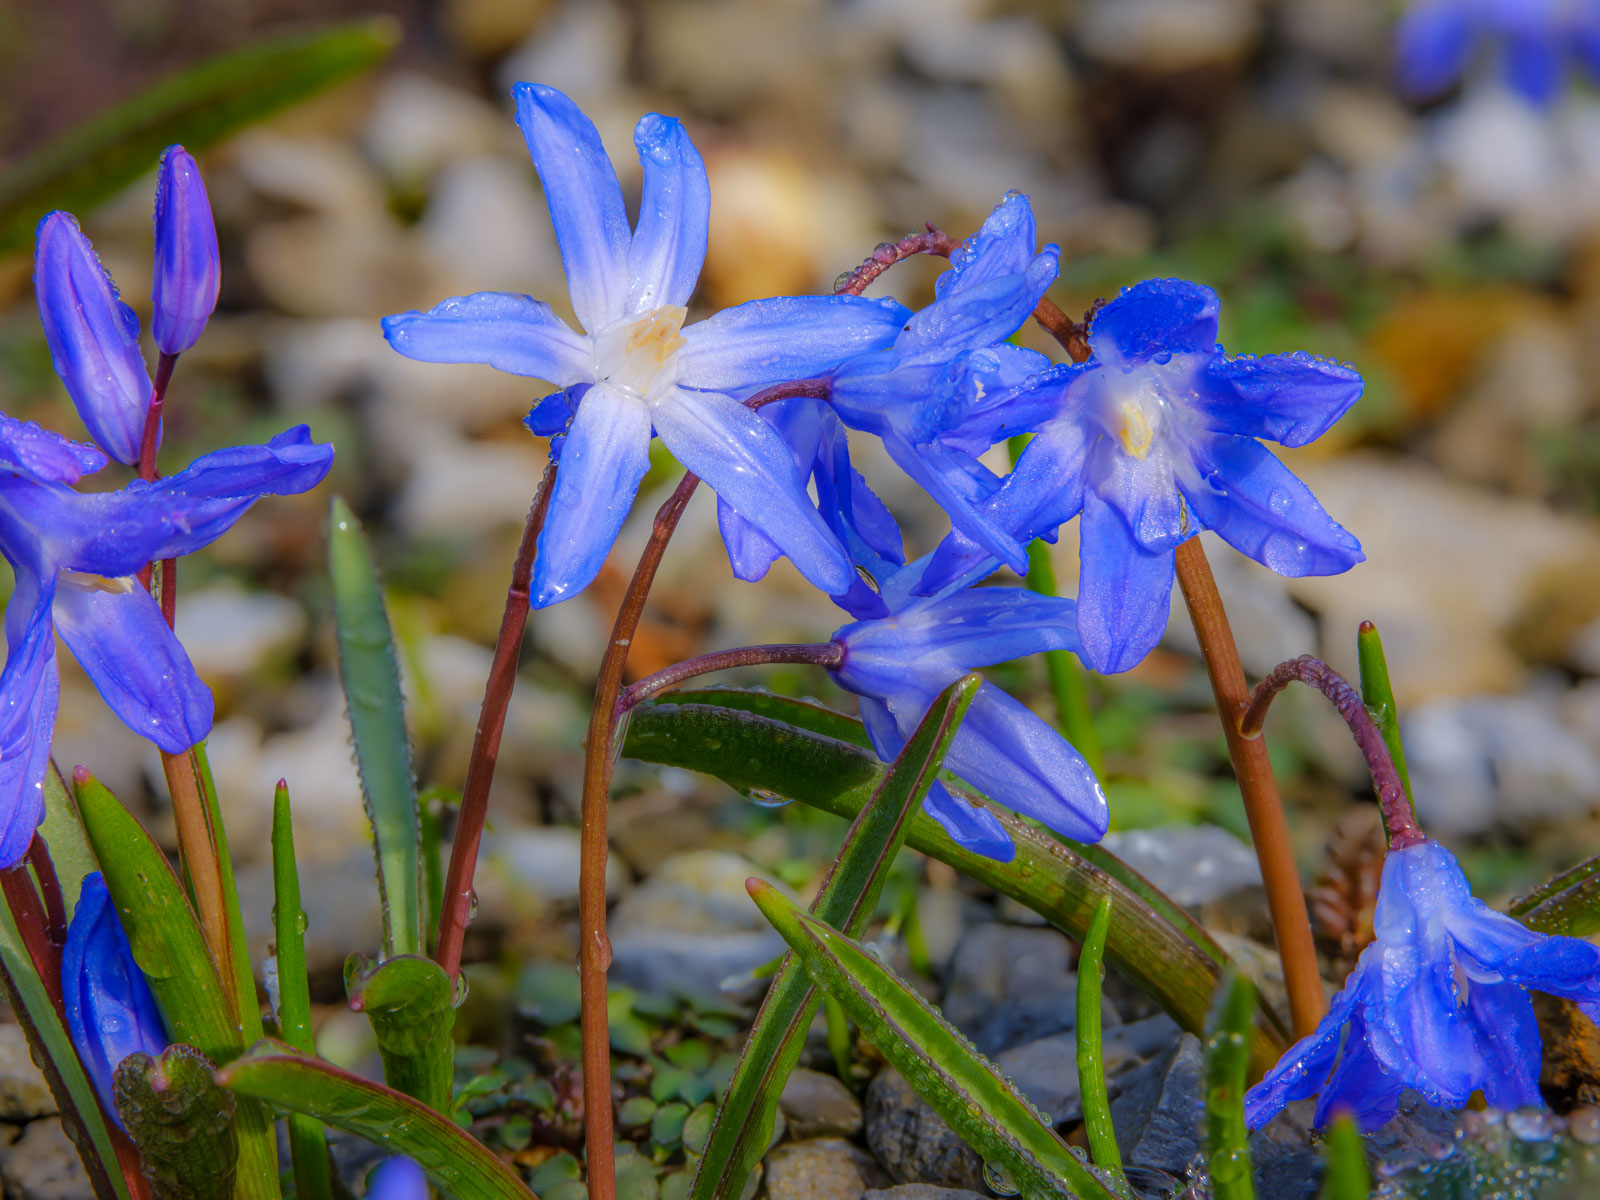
<point>1134,410</point>
<point>83,581</point>
<point>640,357</point>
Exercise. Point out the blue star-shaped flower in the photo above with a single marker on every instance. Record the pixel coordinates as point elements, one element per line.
<point>1436,38</point>
<point>1153,440</point>
<point>637,368</point>
<point>75,555</point>
<point>1438,1002</point>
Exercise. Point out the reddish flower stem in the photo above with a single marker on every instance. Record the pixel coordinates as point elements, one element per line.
<point>34,928</point>
<point>457,907</point>
<point>817,654</point>
<point>1310,670</point>
<point>1263,809</point>
<point>44,870</point>
<point>147,471</point>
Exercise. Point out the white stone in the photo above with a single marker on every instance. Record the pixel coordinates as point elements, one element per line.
<point>228,631</point>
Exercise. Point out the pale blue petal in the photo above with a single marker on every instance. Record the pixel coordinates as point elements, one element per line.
<point>1154,320</point>
<point>764,342</point>
<point>508,331</point>
<point>1143,491</point>
<point>1124,593</point>
<point>669,243</point>
<point>1287,398</point>
<point>751,553</point>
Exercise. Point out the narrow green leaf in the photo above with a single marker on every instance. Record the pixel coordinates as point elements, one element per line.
<point>171,951</point>
<point>962,1086</point>
<point>1090,1053</point>
<point>1377,693</point>
<point>308,1148</point>
<point>847,900</point>
<point>198,107</point>
<point>371,678</point>
<point>1068,685</point>
<point>1568,903</point>
<point>1227,1066</point>
<point>1061,881</point>
<point>411,1004</point>
<point>238,949</point>
<point>455,1163</point>
<point>63,834</point>
<point>1346,1155</point>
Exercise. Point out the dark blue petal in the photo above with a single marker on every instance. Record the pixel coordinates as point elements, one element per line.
<point>188,270</point>
<point>1507,1036</point>
<point>1533,65</point>
<point>29,694</point>
<point>969,825</point>
<point>669,243</point>
<point>580,185</point>
<point>954,482</point>
<point>140,669</point>
<point>1303,1070</point>
<point>765,342</point>
<point>550,416</point>
<point>1359,1086</point>
<point>1260,508</point>
<point>507,331</point>
<point>397,1179</point>
<point>1431,46</point>
<point>1286,398</point>
<point>43,456</point>
<point>1124,593</point>
<point>1154,320</point>
<point>93,337</point>
<point>607,453</point>
<point>985,384</point>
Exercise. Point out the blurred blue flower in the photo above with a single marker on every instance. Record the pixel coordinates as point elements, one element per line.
<point>1438,1002</point>
<point>397,1179</point>
<point>932,396</point>
<point>93,337</point>
<point>637,368</point>
<point>899,659</point>
<point>1436,38</point>
<point>188,270</point>
<point>111,1012</point>
<point>75,555</point>
<point>1154,440</point>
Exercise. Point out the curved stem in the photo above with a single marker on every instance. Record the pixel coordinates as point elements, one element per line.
<point>1263,809</point>
<point>456,909</point>
<point>1312,671</point>
<point>817,654</point>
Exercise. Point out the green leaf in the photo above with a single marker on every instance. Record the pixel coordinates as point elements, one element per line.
<point>410,1001</point>
<point>1151,943</point>
<point>1377,693</point>
<point>171,951</point>
<point>847,899</point>
<point>1347,1177</point>
<point>63,834</point>
<point>371,677</point>
<point>960,1084</point>
<point>1090,1052</point>
<point>1227,1065</point>
<point>238,950</point>
<point>181,1122</point>
<point>198,107</point>
<point>1569,903</point>
<point>455,1162</point>
<point>308,1147</point>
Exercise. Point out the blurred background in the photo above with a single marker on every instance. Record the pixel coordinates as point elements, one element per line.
<point>1449,250</point>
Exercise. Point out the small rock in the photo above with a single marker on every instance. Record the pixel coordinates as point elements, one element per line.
<point>24,1094</point>
<point>539,866</point>
<point>43,1164</point>
<point>418,125</point>
<point>922,1191</point>
<point>912,1141</point>
<point>1157,1116</point>
<point>1046,1070</point>
<point>1009,985</point>
<point>820,1169</point>
<point>229,631</point>
<point>1194,864</point>
<point>816,1105</point>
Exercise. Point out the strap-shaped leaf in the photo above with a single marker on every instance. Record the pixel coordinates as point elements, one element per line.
<point>1346,1156</point>
<point>63,834</point>
<point>1227,1064</point>
<point>1090,1051</point>
<point>962,1086</point>
<point>371,677</point>
<point>198,107</point>
<point>847,899</point>
<point>455,1162</point>
<point>1061,881</point>
<point>1569,903</point>
<point>411,1004</point>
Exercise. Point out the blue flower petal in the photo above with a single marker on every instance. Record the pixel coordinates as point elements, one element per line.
<point>398,1179</point>
<point>507,331</point>
<point>1286,398</point>
<point>1124,593</point>
<point>764,342</point>
<point>1154,320</point>
<point>1303,1070</point>
<point>1143,491</point>
<point>1533,65</point>
<point>188,272</point>
<point>43,456</point>
<point>139,668</point>
<point>580,185</point>
<point>1359,1086</point>
<point>751,553</point>
<point>954,481</point>
<point>1431,46</point>
<point>1260,508</point>
<point>969,825</point>
<point>1507,1037</point>
<point>669,244</point>
<point>30,691</point>
<point>93,338</point>
<point>607,453</point>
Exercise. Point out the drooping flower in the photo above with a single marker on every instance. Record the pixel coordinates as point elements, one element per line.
<point>898,659</point>
<point>1435,41</point>
<point>1154,440</point>
<point>75,555</point>
<point>1438,1002</point>
<point>188,271</point>
<point>111,1012</point>
<point>397,1179</point>
<point>93,337</point>
<point>637,368</point>
<point>931,397</point>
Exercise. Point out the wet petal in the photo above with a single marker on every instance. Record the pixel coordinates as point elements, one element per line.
<point>1304,1069</point>
<point>969,825</point>
<point>43,456</point>
<point>765,342</point>
<point>1154,320</point>
<point>1287,398</point>
<point>507,331</point>
<point>669,244</point>
<point>29,694</point>
<point>1124,593</point>
<point>188,272</point>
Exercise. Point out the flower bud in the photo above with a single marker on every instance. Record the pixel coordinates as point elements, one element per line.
<point>397,1179</point>
<point>93,337</point>
<point>188,271</point>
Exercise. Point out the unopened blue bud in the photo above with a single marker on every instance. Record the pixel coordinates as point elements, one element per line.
<point>398,1179</point>
<point>188,267</point>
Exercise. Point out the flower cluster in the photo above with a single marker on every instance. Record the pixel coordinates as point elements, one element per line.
<point>1437,38</point>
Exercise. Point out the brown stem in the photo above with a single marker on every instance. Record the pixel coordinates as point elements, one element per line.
<point>456,910</point>
<point>1268,829</point>
<point>32,924</point>
<point>1310,670</point>
<point>199,851</point>
<point>816,389</point>
<point>44,870</point>
<point>817,654</point>
<point>147,463</point>
<point>594,949</point>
